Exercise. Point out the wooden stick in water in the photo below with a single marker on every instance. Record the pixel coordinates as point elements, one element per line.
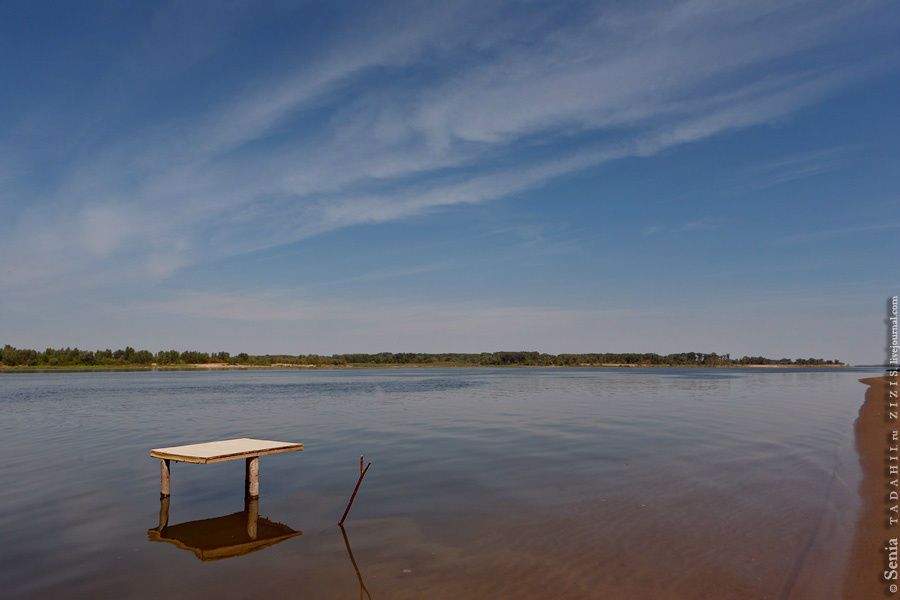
<point>362,473</point>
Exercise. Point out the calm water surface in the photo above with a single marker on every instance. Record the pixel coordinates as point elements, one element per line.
<point>518,483</point>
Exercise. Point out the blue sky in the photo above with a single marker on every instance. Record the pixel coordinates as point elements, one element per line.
<point>457,176</point>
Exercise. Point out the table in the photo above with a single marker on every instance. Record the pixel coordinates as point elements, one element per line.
<point>212,452</point>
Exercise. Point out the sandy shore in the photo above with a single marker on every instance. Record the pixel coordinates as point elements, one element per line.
<point>868,558</point>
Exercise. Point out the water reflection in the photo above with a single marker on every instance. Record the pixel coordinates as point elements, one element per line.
<point>362,586</point>
<point>501,481</point>
<point>221,537</point>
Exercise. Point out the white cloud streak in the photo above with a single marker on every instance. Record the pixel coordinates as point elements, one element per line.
<point>828,234</point>
<point>424,108</point>
<point>701,224</point>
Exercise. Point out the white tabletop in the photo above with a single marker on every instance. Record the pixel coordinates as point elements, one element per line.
<point>224,450</point>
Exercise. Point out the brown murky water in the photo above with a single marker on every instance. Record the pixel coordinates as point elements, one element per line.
<point>521,483</point>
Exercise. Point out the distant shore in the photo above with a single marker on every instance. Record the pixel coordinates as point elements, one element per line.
<point>321,367</point>
<point>142,360</point>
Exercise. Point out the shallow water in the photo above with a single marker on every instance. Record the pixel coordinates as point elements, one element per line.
<point>515,483</point>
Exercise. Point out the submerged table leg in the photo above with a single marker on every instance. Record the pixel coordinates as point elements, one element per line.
<point>251,478</point>
<point>164,477</point>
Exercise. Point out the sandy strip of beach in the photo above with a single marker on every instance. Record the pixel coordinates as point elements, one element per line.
<point>873,440</point>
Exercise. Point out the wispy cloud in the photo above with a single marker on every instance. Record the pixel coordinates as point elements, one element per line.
<point>796,166</point>
<point>701,224</point>
<point>424,107</point>
<point>827,234</point>
<point>382,274</point>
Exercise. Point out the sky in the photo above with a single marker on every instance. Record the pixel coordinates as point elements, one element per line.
<point>310,177</point>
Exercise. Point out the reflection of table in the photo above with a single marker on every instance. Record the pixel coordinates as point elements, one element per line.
<point>222,537</point>
<point>222,450</point>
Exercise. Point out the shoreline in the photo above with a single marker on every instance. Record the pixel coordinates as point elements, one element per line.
<point>308,367</point>
<point>863,575</point>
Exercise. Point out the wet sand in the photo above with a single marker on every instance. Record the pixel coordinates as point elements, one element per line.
<point>868,558</point>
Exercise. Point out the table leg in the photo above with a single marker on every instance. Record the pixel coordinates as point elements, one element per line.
<point>163,513</point>
<point>164,477</point>
<point>251,477</point>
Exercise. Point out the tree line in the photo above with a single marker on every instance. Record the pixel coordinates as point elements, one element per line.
<point>129,357</point>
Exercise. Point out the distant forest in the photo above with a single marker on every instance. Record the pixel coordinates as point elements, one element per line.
<point>129,357</point>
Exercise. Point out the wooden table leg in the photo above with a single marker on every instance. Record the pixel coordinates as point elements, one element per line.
<point>251,477</point>
<point>164,477</point>
<point>163,513</point>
